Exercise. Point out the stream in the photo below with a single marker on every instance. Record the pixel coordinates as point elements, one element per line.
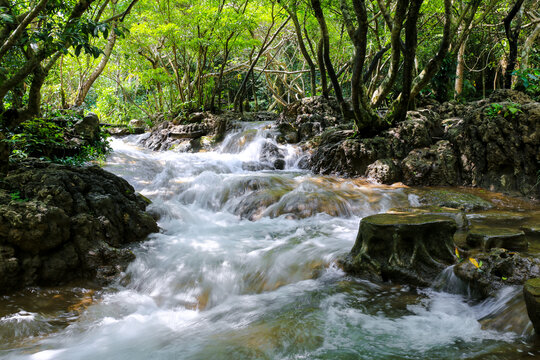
<point>245,268</point>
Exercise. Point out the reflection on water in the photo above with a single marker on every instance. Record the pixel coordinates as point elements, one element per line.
<point>244,268</point>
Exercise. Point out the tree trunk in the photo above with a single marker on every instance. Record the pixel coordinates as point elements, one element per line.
<point>460,70</point>
<point>303,50</point>
<point>395,40</point>
<point>512,36</point>
<point>528,45</point>
<point>325,39</point>
<point>409,55</point>
<point>87,84</point>
<point>434,64</point>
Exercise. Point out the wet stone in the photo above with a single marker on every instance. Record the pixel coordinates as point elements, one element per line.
<point>456,200</point>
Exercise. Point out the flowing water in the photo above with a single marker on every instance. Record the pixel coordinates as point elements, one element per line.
<point>245,268</point>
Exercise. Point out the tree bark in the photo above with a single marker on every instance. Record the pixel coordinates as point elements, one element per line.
<point>411,43</point>
<point>87,84</point>
<point>512,36</point>
<point>528,45</point>
<point>303,49</point>
<point>395,40</point>
<point>325,39</point>
<point>460,69</point>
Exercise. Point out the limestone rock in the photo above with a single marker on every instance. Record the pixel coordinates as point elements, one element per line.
<point>497,268</point>
<point>455,200</point>
<point>59,223</point>
<point>489,238</point>
<point>384,171</point>
<point>436,165</point>
<point>407,248</point>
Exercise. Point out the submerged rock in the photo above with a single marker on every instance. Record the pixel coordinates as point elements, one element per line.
<point>406,248</point>
<point>59,223</point>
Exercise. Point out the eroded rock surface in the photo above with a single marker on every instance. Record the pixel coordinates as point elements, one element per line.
<point>450,144</point>
<point>406,248</point>
<point>59,223</point>
<point>497,268</point>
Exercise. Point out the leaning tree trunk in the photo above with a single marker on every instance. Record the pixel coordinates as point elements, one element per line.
<point>86,85</point>
<point>512,36</point>
<point>303,50</point>
<point>528,45</point>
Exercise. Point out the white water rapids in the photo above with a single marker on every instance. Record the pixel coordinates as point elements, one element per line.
<point>244,268</point>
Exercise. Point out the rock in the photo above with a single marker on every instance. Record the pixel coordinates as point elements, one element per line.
<point>406,248</point>
<point>454,199</point>
<point>338,153</point>
<point>498,268</point>
<point>489,238</point>
<point>169,134</point>
<point>451,144</point>
<point>272,154</point>
<point>433,166</point>
<point>531,293</point>
<point>118,131</point>
<point>415,132</point>
<point>66,223</point>
<point>88,127</point>
<point>136,123</point>
<point>384,171</point>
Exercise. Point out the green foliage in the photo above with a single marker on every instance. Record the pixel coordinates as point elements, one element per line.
<point>529,79</point>
<point>36,137</point>
<point>507,111</point>
<point>49,141</point>
<point>16,196</point>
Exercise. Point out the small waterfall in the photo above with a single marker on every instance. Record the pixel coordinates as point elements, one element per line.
<point>244,268</point>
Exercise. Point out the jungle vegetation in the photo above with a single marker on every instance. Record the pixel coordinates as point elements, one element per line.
<point>156,59</point>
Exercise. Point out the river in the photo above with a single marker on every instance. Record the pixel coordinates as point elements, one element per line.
<point>245,268</point>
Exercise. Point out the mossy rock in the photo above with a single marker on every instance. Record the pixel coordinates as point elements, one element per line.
<point>455,200</point>
<point>407,248</point>
<point>487,238</point>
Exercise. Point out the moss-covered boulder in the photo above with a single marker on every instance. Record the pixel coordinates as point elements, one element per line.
<point>455,200</point>
<point>531,292</point>
<point>406,248</point>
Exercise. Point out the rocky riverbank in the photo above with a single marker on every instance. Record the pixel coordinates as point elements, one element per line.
<point>492,143</point>
<point>59,223</point>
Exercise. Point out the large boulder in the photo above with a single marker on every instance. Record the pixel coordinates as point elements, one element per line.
<point>88,127</point>
<point>434,165</point>
<point>59,223</point>
<point>407,248</point>
<point>384,171</point>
